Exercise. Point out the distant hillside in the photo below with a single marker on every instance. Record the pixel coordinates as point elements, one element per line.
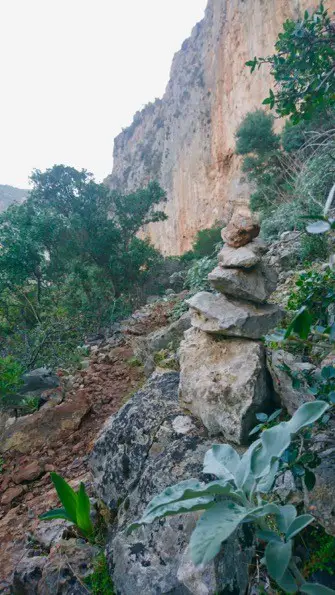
<point>9,194</point>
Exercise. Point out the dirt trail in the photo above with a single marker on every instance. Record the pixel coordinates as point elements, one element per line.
<point>97,393</point>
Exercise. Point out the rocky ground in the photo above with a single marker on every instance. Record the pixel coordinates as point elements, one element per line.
<point>61,437</point>
<point>148,403</point>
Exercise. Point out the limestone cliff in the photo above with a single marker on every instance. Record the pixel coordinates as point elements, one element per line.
<point>186,139</point>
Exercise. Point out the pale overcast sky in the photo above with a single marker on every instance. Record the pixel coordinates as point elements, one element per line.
<point>73,73</point>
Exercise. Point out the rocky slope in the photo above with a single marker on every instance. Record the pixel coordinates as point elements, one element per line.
<point>9,194</point>
<point>186,139</point>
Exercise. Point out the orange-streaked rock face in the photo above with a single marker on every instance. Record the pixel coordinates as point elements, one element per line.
<point>186,139</point>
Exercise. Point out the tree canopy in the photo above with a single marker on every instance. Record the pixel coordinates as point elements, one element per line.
<point>303,66</point>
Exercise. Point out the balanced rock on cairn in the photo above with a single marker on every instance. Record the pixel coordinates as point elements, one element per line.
<point>225,382</point>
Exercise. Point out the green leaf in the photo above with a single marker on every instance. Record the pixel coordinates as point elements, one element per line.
<point>244,477</point>
<point>286,517</point>
<point>83,511</point>
<point>67,496</point>
<point>318,227</point>
<point>274,442</point>
<point>266,483</point>
<point>56,513</point>
<point>214,527</point>
<point>301,324</point>
<point>277,557</point>
<point>221,460</point>
<point>287,583</point>
<point>298,525</point>
<point>309,479</point>
<point>186,496</point>
<point>274,415</point>
<point>328,372</point>
<point>307,414</point>
<point>316,589</point>
<point>261,417</point>
<point>255,430</point>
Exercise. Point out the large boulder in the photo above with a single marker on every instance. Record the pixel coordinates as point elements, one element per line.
<point>240,230</point>
<point>223,382</point>
<point>126,439</point>
<point>168,337</point>
<point>255,284</point>
<point>218,315</point>
<point>148,445</point>
<point>39,380</point>
<point>279,363</point>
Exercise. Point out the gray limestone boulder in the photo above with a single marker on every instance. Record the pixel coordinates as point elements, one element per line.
<point>223,382</point>
<point>148,445</point>
<point>168,337</point>
<point>39,380</point>
<point>219,315</point>
<point>67,566</point>
<point>321,500</point>
<point>121,451</point>
<point>289,397</point>
<point>28,574</point>
<point>255,284</point>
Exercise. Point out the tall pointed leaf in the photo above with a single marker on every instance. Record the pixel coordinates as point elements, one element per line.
<point>67,496</point>
<point>83,511</point>
<point>56,513</point>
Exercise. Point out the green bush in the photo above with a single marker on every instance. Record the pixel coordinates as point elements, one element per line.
<point>10,379</point>
<point>313,247</point>
<point>316,291</point>
<point>255,134</point>
<point>197,274</point>
<point>207,241</point>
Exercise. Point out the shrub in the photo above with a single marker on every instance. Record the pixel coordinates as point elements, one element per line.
<point>197,274</point>
<point>10,379</point>
<point>207,241</point>
<point>316,291</point>
<point>255,134</point>
<point>313,247</point>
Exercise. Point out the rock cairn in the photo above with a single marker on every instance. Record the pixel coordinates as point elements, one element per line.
<point>224,382</point>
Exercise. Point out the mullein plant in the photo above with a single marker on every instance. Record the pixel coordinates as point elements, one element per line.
<point>242,494</point>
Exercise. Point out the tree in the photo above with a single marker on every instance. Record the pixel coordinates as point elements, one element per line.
<point>303,66</point>
<point>70,260</point>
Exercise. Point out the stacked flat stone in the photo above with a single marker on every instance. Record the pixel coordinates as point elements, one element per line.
<point>225,382</point>
<point>244,283</point>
